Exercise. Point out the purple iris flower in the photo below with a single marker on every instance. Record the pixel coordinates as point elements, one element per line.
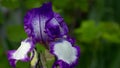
<point>44,26</point>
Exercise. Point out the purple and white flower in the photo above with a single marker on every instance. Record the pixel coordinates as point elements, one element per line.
<point>44,26</point>
<point>67,54</point>
<point>22,52</point>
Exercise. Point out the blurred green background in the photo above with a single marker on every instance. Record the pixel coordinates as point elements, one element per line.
<point>95,24</point>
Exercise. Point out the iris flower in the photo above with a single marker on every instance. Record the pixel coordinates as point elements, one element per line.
<point>44,26</point>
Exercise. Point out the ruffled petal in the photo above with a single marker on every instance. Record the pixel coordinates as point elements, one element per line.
<point>21,53</point>
<point>35,20</point>
<point>63,25</point>
<point>56,27</point>
<point>43,24</point>
<point>67,54</point>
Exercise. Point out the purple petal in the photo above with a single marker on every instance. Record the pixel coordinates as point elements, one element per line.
<point>35,20</point>
<point>62,23</point>
<point>43,24</point>
<point>21,53</point>
<point>62,64</point>
<point>56,27</point>
<point>67,54</point>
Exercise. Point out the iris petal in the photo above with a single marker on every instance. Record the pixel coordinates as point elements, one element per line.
<point>56,27</point>
<point>35,20</point>
<point>67,54</point>
<point>21,53</point>
<point>43,24</point>
<point>62,23</point>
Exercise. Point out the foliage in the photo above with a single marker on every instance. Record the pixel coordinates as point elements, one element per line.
<point>95,24</point>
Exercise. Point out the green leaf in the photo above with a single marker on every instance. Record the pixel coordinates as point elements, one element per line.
<point>113,38</point>
<point>88,32</point>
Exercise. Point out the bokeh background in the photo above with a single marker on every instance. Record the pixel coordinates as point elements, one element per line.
<point>95,24</point>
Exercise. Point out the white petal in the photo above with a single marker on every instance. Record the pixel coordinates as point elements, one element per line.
<point>22,51</point>
<point>64,51</point>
